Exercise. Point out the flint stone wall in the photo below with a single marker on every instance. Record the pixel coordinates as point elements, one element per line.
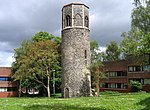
<point>75,50</point>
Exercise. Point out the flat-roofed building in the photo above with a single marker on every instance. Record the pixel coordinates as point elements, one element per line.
<point>120,74</point>
<point>8,87</point>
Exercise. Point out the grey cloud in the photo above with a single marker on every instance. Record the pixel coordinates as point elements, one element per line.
<point>109,21</point>
<point>21,19</point>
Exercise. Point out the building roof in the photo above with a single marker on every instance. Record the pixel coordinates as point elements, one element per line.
<point>76,3</point>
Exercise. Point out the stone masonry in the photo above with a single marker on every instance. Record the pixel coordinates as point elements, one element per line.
<point>75,50</point>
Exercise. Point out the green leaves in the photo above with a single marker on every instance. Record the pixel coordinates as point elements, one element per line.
<point>42,36</point>
<point>96,66</point>
<point>141,17</point>
<point>46,36</point>
<point>96,54</point>
<point>136,42</point>
<point>112,51</point>
<point>36,59</point>
<point>136,86</point>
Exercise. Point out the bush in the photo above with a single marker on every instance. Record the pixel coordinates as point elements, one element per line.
<point>136,86</point>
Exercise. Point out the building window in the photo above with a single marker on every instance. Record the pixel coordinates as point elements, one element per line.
<point>106,85</point>
<point>117,73</point>
<point>146,68</point>
<point>68,20</point>
<point>102,85</point>
<point>146,81</point>
<point>12,89</point>
<point>5,79</point>
<point>3,89</point>
<point>121,73</point>
<point>118,85</point>
<point>125,85</point>
<point>138,68</point>
<point>8,89</point>
<point>86,22</point>
<point>112,74</point>
<point>135,68</point>
<point>121,85</point>
<point>130,69</point>
<point>113,85</point>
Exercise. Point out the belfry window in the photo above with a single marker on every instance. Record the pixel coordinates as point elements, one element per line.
<point>68,20</point>
<point>86,22</point>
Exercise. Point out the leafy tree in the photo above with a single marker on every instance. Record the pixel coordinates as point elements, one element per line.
<point>141,16</point>
<point>137,41</point>
<point>96,65</point>
<point>46,36</point>
<point>35,61</point>
<point>112,52</point>
<point>95,52</point>
<point>129,44</point>
<point>56,70</point>
<point>139,2</point>
<point>141,21</point>
<point>19,63</point>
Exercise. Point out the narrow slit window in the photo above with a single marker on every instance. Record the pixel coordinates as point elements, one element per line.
<point>86,22</point>
<point>85,54</point>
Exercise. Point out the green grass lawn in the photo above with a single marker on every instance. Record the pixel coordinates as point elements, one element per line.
<point>137,101</point>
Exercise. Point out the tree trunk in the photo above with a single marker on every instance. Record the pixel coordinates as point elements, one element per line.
<point>97,81</point>
<point>48,85</point>
<point>20,87</point>
<point>97,87</point>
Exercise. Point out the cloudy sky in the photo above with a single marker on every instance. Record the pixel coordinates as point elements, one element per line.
<point>21,19</point>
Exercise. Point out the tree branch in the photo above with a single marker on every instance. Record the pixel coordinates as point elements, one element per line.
<point>37,80</point>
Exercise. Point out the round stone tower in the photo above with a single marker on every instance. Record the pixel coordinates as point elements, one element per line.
<point>76,77</point>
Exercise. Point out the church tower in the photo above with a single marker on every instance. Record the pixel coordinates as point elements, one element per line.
<point>75,48</point>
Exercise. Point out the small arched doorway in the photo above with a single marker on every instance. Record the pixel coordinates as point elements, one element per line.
<point>66,93</point>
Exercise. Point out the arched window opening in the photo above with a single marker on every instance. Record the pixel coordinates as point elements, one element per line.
<point>86,22</point>
<point>78,20</point>
<point>68,20</point>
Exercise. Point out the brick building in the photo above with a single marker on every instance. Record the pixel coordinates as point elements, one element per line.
<point>8,88</point>
<point>120,74</point>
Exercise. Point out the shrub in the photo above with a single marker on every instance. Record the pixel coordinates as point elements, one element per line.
<point>136,86</point>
